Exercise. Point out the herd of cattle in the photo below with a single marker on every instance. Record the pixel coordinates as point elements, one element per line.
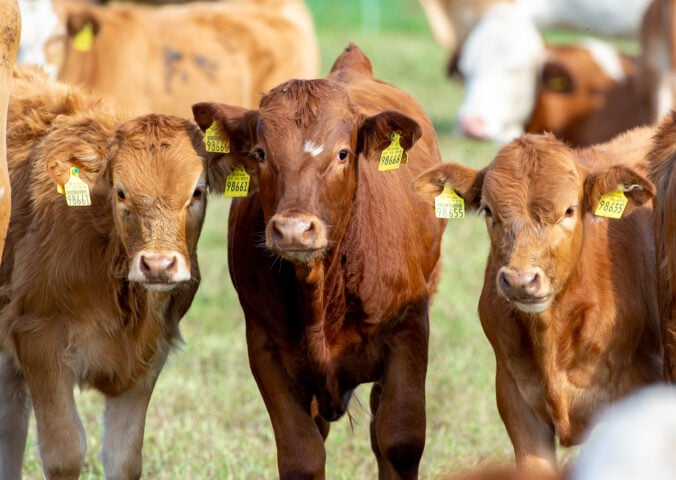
<point>109,183</point>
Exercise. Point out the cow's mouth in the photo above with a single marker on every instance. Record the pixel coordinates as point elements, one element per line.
<point>159,286</point>
<point>530,304</point>
<point>302,256</point>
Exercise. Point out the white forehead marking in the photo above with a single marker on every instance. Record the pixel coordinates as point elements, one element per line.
<point>312,148</point>
<point>606,57</point>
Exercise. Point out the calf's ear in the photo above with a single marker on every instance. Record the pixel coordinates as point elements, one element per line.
<point>637,188</point>
<point>375,133</point>
<point>236,126</point>
<point>466,182</point>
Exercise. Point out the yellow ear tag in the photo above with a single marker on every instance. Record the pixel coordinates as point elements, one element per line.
<point>611,204</point>
<point>77,191</point>
<point>449,204</point>
<point>237,183</point>
<point>84,39</point>
<point>392,155</point>
<point>214,141</point>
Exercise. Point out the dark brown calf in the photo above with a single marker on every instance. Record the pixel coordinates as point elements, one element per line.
<point>662,160</point>
<point>569,302</point>
<point>334,261</point>
<point>92,295</point>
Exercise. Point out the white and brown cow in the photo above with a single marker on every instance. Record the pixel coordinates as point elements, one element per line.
<point>92,295</point>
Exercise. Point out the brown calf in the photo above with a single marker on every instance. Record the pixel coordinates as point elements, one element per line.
<point>569,302</point>
<point>334,261</point>
<point>10,22</point>
<point>165,58</point>
<point>92,295</point>
<point>662,160</point>
<point>588,94</point>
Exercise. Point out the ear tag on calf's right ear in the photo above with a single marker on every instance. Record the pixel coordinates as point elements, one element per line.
<point>611,204</point>
<point>237,183</point>
<point>77,191</point>
<point>449,204</point>
<point>214,141</point>
<point>84,39</point>
<point>392,156</point>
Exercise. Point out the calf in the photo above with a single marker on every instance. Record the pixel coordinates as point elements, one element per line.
<point>588,93</point>
<point>92,295</point>
<point>10,21</point>
<point>663,174</point>
<point>165,58</point>
<point>340,293</point>
<point>569,301</point>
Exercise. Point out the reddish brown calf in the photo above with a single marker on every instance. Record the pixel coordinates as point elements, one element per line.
<point>569,302</point>
<point>92,295</point>
<point>334,261</point>
<point>663,173</point>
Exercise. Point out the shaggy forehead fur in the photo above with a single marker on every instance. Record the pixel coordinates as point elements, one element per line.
<point>535,176</point>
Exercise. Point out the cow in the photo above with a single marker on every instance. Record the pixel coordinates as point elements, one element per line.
<point>588,93</point>
<point>92,295</point>
<point>663,173</point>
<point>503,54</point>
<point>10,20</point>
<point>334,261</point>
<point>569,300</point>
<point>162,59</point>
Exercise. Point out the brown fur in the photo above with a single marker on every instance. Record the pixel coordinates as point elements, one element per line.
<point>165,58</point>
<point>73,311</point>
<point>580,104</point>
<point>10,22</point>
<point>663,174</point>
<point>569,301</point>
<point>340,296</point>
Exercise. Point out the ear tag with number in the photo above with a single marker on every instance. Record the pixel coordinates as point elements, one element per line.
<point>449,204</point>
<point>84,39</point>
<point>214,141</point>
<point>77,191</point>
<point>611,204</point>
<point>392,156</point>
<point>237,183</point>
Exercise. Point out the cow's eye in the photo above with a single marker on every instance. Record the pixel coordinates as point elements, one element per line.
<point>121,195</point>
<point>342,155</point>
<point>258,154</point>
<point>197,194</point>
<point>487,211</point>
<point>570,211</point>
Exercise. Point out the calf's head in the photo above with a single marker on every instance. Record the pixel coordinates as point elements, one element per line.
<point>302,149</point>
<point>535,195</point>
<point>152,170</point>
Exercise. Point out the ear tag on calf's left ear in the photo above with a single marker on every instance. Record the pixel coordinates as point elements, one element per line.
<point>77,191</point>
<point>84,39</point>
<point>449,204</point>
<point>611,204</point>
<point>237,183</point>
<point>214,141</point>
<point>392,156</point>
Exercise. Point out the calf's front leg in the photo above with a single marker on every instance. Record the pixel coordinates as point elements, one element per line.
<point>14,413</point>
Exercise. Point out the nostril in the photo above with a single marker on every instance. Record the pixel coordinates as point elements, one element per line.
<point>533,284</point>
<point>504,282</point>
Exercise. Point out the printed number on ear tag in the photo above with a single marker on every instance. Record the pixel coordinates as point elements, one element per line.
<point>84,39</point>
<point>214,141</point>
<point>237,183</point>
<point>611,204</point>
<point>449,204</point>
<point>77,191</point>
<point>392,156</point>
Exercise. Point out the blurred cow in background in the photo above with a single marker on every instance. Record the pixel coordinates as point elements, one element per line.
<point>503,55</point>
<point>165,58</point>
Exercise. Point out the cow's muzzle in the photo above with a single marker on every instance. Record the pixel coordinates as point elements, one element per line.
<point>526,289</point>
<point>159,270</point>
<point>296,237</point>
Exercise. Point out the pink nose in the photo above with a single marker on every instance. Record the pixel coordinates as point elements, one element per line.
<point>297,232</point>
<point>518,284</point>
<point>473,127</point>
<point>158,265</point>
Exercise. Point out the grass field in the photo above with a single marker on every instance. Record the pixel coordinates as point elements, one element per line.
<point>207,420</point>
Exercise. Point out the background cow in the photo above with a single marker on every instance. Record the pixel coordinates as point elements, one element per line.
<point>92,295</point>
<point>663,173</point>
<point>10,21</point>
<point>589,93</point>
<point>569,301</point>
<point>165,58</point>
<point>340,294</point>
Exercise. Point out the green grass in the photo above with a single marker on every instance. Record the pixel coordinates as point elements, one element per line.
<point>207,419</point>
